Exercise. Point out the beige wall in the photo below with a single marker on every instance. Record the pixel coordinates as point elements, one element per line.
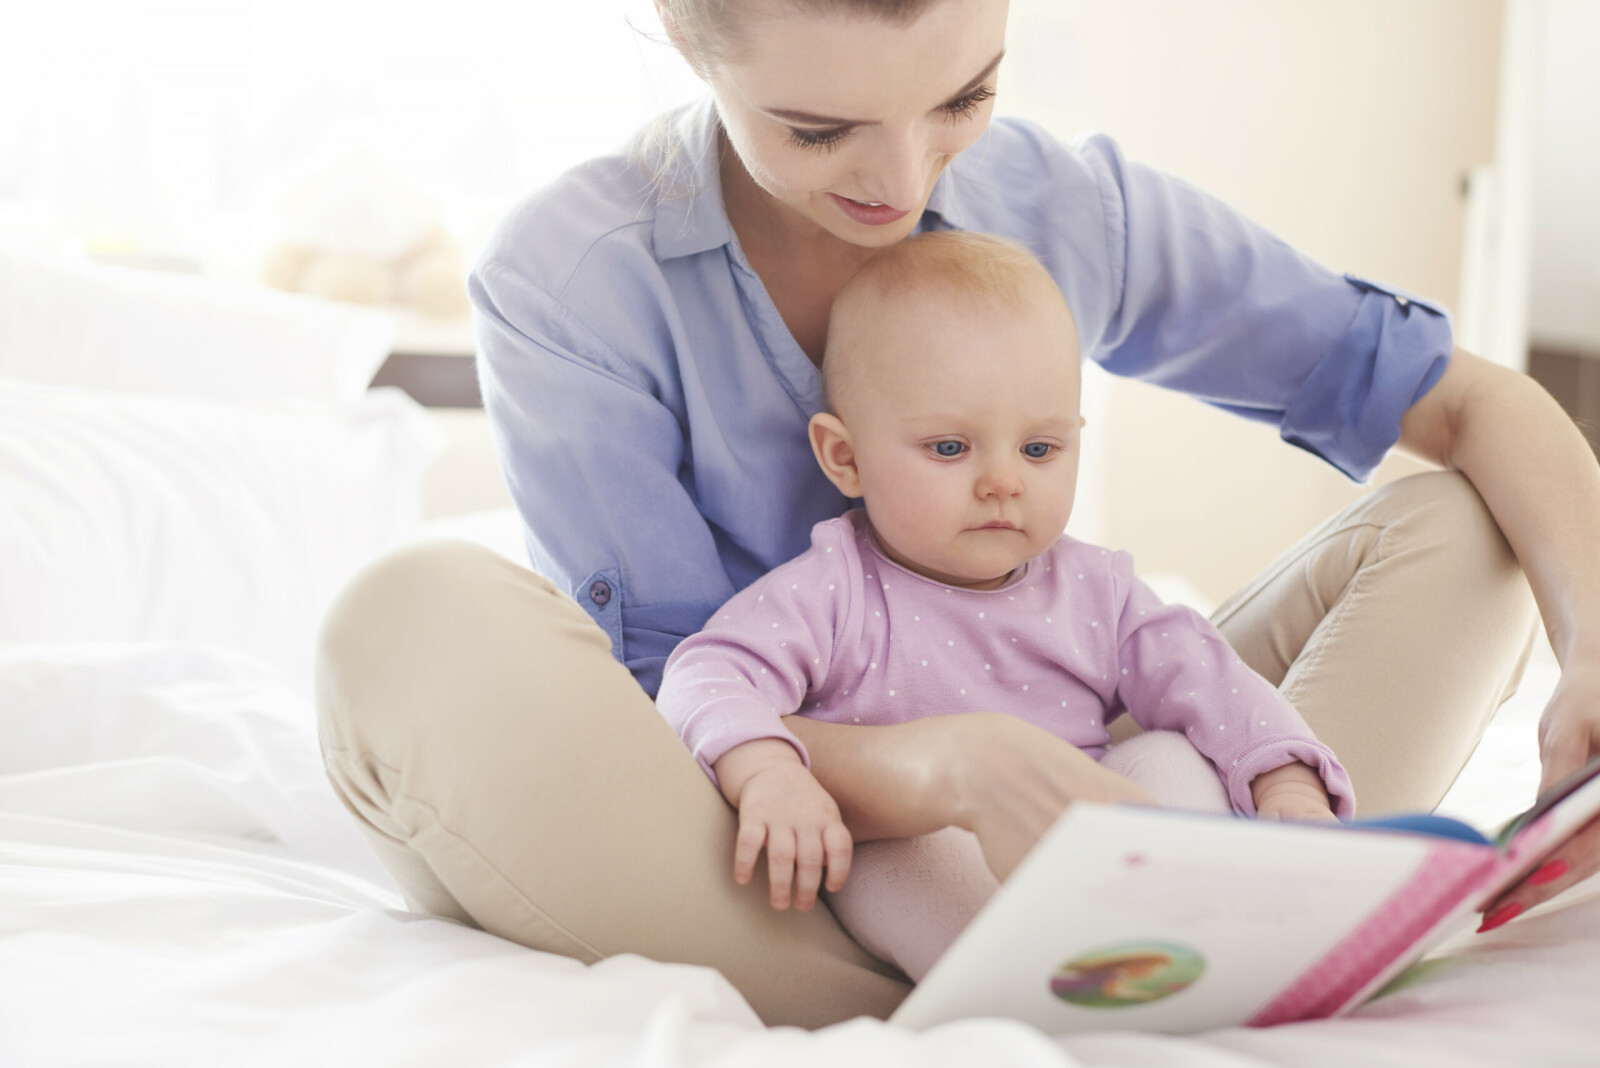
<point>1345,126</point>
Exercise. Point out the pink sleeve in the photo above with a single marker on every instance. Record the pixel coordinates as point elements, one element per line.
<point>756,658</point>
<point>1178,673</point>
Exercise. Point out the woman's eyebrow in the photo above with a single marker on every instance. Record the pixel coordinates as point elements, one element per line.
<point>809,119</point>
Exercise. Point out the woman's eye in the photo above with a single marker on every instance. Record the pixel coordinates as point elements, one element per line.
<point>949,449</point>
<point>970,102</point>
<point>1037,450</point>
<point>819,139</point>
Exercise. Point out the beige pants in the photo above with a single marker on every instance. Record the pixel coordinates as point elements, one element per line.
<point>512,775</point>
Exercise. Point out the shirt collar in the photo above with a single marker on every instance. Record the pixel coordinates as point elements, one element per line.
<point>690,215</point>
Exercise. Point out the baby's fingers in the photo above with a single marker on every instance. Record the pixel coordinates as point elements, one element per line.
<point>752,836</point>
<point>780,864</point>
<point>808,870</point>
<point>840,848</point>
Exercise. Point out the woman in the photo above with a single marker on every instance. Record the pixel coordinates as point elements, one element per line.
<point>647,346</point>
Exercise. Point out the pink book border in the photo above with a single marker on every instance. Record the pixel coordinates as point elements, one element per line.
<point>1428,896</point>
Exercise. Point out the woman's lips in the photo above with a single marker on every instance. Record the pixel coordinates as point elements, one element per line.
<point>867,215</point>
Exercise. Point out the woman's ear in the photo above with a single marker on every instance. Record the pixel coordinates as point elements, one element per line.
<point>676,36</point>
<point>670,24</point>
<point>830,444</point>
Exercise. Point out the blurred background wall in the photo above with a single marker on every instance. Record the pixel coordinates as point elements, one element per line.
<point>1346,128</point>
<point>1443,146</point>
<point>1565,308</point>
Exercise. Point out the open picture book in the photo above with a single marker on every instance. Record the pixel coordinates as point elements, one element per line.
<point>1128,917</point>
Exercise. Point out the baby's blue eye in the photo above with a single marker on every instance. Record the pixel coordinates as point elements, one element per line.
<point>1036,450</point>
<point>949,449</point>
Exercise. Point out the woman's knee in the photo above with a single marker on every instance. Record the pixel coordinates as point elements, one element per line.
<point>1440,508</point>
<point>1440,516</point>
<point>436,582</point>
<point>412,630</point>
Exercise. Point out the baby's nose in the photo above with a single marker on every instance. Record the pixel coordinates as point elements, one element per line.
<point>1000,479</point>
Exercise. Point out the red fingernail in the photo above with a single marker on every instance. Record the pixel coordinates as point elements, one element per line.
<point>1548,873</point>
<point>1503,914</point>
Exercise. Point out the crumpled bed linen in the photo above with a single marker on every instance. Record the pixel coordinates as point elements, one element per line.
<point>178,885</point>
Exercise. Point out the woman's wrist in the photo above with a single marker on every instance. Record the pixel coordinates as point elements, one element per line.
<point>889,781</point>
<point>1577,644</point>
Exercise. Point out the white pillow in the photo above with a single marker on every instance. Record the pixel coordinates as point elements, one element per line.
<point>141,518</point>
<point>74,322</point>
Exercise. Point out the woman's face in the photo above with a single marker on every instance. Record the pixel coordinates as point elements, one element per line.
<point>848,120</point>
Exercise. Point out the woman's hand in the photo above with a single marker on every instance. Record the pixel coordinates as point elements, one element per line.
<point>1009,781</point>
<point>1569,737</point>
<point>998,776</point>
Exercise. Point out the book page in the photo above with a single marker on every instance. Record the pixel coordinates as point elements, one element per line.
<point>1126,917</point>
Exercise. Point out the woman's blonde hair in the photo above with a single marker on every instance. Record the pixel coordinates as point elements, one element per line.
<point>710,31</point>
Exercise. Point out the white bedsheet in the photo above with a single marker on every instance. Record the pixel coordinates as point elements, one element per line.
<point>178,885</point>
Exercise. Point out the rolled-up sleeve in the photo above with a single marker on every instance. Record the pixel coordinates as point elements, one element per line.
<point>591,457</point>
<point>1206,302</point>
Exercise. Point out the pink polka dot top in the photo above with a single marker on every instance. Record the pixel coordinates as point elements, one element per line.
<point>1071,641</point>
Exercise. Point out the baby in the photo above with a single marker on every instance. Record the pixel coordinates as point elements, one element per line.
<point>951,377</point>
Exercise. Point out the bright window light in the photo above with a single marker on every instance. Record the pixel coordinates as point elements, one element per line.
<point>165,127</point>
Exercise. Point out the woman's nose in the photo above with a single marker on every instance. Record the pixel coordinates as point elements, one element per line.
<point>899,169</point>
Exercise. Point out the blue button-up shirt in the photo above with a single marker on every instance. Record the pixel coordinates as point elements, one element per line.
<point>649,405</point>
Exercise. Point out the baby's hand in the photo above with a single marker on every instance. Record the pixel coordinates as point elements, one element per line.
<point>1291,792</point>
<point>1294,807</point>
<point>784,809</point>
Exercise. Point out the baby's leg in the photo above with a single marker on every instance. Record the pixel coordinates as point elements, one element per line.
<point>907,898</point>
<point>1173,770</point>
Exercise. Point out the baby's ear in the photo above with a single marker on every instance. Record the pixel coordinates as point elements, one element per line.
<point>830,444</point>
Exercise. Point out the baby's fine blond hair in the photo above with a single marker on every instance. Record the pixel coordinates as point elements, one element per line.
<point>958,266</point>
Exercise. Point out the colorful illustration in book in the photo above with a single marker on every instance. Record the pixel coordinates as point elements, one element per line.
<point>1129,973</point>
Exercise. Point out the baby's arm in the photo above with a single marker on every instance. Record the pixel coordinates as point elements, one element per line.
<point>1179,673</point>
<point>783,807</point>
<point>1293,791</point>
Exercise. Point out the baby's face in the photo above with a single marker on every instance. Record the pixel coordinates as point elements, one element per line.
<point>965,427</point>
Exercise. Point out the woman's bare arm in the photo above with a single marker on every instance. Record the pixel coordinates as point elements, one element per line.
<point>1540,481</point>
<point>998,776</point>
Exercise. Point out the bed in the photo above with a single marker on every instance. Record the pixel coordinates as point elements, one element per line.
<point>187,473</point>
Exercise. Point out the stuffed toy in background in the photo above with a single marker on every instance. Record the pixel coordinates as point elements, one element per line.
<point>351,229</point>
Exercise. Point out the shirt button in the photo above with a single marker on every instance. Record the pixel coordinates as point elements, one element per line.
<point>600,592</point>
